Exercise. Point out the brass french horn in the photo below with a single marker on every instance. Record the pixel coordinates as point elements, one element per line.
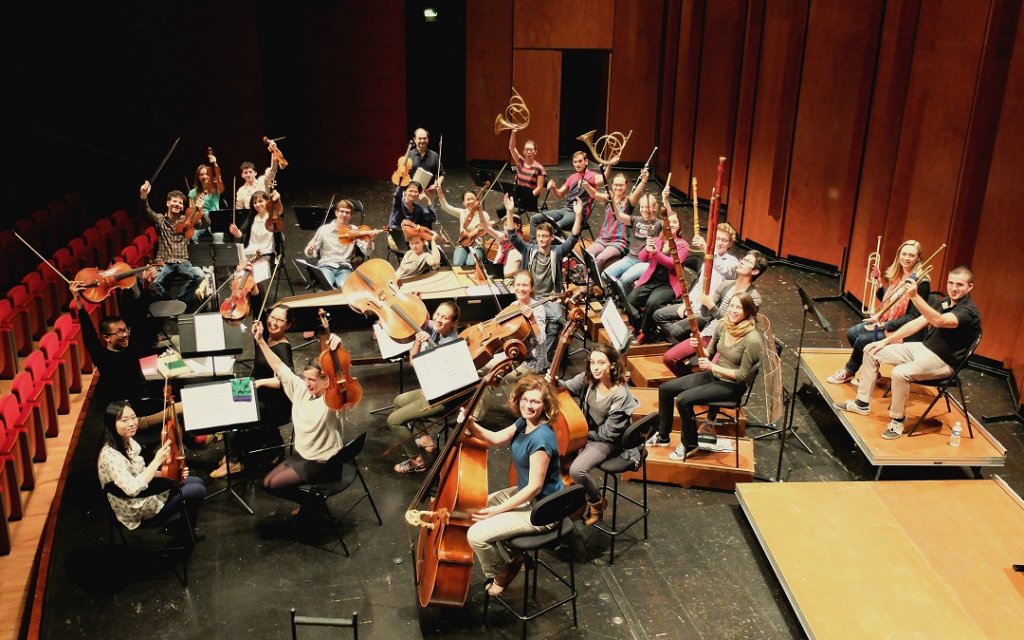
<point>516,115</point>
<point>607,146</point>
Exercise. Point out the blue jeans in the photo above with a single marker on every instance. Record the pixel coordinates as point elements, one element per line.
<point>859,336</point>
<point>626,270</point>
<point>564,218</point>
<point>336,275</point>
<point>463,256</point>
<point>193,490</point>
<point>188,290</point>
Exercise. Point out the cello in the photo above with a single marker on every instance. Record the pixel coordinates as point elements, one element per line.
<point>444,559</point>
<point>373,288</point>
<point>343,390</point>
<point>174,467</point>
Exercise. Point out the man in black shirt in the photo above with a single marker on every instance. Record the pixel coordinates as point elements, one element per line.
<point>951,330</point>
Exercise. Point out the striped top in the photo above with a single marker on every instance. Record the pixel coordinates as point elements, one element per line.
<point>613,232</point>
<point>528,176</point>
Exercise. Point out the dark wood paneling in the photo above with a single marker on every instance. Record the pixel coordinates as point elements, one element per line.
<point>633,94</point>
<point>740,162</point>
<point>684,110</point>
<point>563,24</point>
<point>718,103</point>
<point>835,88</point>
<point>488,77</point>
<point>774,115</point>
<point>537,76</point>
<point>889,95</point>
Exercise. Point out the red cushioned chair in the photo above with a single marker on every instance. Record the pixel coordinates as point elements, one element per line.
<point>17,320</point>
<point>38,287</point>
<point>130,256</point>
<point>145,247</point>
<point>10,483</point>
<point>32,305</point>
<point>129,225</point>
<point>98,245</point>
<point>17,433</point>
<point>12,261</point>
<point>82,252</point>
<point>8,352</point>
<point>56,287</point>
<point>38,392</point>
<point>26,228</point>
<point>56,351</point>
<point>50,373</point>
<point>111,236</point>
<point>151,234</point>
<point>71,337</point>
<point>30,416</point>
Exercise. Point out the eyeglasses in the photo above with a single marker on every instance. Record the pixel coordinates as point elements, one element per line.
<point>276,319</point>
<point>120,332</point>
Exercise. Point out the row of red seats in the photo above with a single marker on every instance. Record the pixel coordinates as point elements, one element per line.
<point>52,370</point>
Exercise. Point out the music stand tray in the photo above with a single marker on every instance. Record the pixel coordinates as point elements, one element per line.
<point>313,274</point>
<point>188,339</point>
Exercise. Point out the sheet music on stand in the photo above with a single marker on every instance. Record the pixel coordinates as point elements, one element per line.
<point>209,332</point>
<point>616,327</point>
<point>422,176</point>
<point>217,406</point>
<point>389,349</point>
<point>455,360</point>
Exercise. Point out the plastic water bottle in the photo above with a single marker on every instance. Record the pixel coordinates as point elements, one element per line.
<point>954,438</point>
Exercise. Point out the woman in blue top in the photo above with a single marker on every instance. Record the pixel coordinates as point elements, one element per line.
<point>535,455</point>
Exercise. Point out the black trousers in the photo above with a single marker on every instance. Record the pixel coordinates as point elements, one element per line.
<point>685,393</point>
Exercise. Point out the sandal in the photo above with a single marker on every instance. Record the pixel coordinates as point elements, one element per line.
<point>408,466</point>
<point>426,443</point>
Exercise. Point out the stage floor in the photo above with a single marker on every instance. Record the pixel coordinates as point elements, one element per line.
<point>930,444</point>
<point>921,559</point>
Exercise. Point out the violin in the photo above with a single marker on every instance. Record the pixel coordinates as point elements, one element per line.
<point>99,284</point>
<point>187,222</point>
<point>275,221</point>
<point>343,390</point>
<point>373,288</point>
<point>468,235</point>
<point>413,230</point>
<point>215,177</point>
<point>347,235</point>
<point>243,285</point>
<point>174,467</point>
<point>401,175</point>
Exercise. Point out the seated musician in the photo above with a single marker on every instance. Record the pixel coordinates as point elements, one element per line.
<point>413,405</point>
<point>257,239</point>
<point>613,240</point>
<point>906,264</point>
<point>535,360</point>
<point>336,257</point>
<point>659,283</point>
<point>951,330</point>
<point>507,255</point>
<point>417,260</point>
<point>251,183</point>
<point>572,190</point>
<point>535,456</point>
<point>738,345</point>
<point>173,246</point>
<point>475,252</point>
<point>319,430</point>
<point>121,464</point>
<point>710,312</point>
<point>723,266</point>
<point>205,192</point>
<point>608,406</point>
<point>406,206</point>
<point>628,269</point>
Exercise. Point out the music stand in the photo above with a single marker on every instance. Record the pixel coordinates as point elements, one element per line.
<point>220,219</point>
<point>226,258</point>
<point>310,218</point>
<point>314,277</point>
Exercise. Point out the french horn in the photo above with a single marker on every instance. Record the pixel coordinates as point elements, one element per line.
<point>516,115</point>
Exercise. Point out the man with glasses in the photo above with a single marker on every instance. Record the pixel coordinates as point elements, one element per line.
<point>335,257</point>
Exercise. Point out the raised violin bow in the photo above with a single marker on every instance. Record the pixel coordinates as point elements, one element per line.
<point>167,157</point>
<point>327,211</point>
<point>47,262</point>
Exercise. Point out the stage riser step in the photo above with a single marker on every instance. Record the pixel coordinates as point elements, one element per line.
<point>703,469</point>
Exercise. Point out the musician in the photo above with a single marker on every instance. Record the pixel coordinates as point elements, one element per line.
<point>507,255</point>
<point>952,328</point>
<point>535,456</point>
<point>907,263</point>
<point>535,360</point>
<point>173,246</point>
<point>413,405</point>
<point>250,185</point>
<point>474,253</point>
<point>417,259</point>
<point>423,157</point>
<point>406,207</point>
<point>628,269</point>
<point>254,234</point>
<point>677,330</point>
<point>613,239</point>
<point>738,345</point>
<point>319,430</point>
<point>529,173</point>
<point>120,463</point>
<point>659,283</point>
<point>544,261</point>
<point>335,257</point>
<point>723,266</point>
<point>205,192</point>
<point>572,190</point>
<point>275,407</point>
<point>607,404</point>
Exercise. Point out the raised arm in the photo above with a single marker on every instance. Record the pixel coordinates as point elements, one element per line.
<point>144,208</point>
<point>638,188</point>
<point>516,156</point>
<point>273,361</point>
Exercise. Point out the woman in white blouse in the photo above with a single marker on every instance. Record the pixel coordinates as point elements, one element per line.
<point>121,464</point>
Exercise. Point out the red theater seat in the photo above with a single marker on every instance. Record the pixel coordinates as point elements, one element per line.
<point>55,350</point>
<point>71,336</point>
<point>17,320</point>
<point>17,433</point>
<point>30,416</point>
<point>32,305</point>
<point>38,392</point>
<point>50,373</point>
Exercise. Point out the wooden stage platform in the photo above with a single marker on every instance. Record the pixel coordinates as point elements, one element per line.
<point>915,559</point>
<point>930,444</point>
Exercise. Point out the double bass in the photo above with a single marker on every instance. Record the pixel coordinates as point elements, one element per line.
<point>444,559</point>
<point>373,288</point>
<point>343,390</point>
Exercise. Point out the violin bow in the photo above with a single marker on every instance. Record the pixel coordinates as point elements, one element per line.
<point>45,261</point>
<point>167,157</point>
<point>270,283</point>
<point>440,149</point>
<point>327,211</point>
<point>234,201</point>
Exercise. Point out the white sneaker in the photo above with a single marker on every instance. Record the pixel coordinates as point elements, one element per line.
<point>851,405</point>
<point>656,441</point>
<point>894,431</point>
<point>680,453</point>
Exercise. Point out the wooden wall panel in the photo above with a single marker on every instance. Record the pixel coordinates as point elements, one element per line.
<point>537,76</point>
<point>740,162</point>
<point>563,24</point>
<point>889,95</point>
<point>718,103</point>
<point>684,109</point>
<point>633,85</point>
<point>774,116</point>
<point>835,88</point>
<point>932,142</point>
<point>488,76</point>
<point>666,104</point>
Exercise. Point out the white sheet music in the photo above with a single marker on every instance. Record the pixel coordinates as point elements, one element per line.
<point>207,406</point>
<point>422,176</point>
<point>209,332</point>
<point>456,363</point>
<point>615,326</point>
<point>389,348</point>
<point>261,270</point>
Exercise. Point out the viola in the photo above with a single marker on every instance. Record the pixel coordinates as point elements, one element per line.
<point>413,230</point>
<point>343,390</point>
<point>373,289</point>
<point>187,222</point>
<point>215,177</point>
<point>174,467</point>
<point>348,235</point>
<point>401,175</point>
<point>243,285</point>
<point>99,284</point>
<point>275,210</point>
<point>468,234</point>
<point>444,561</point>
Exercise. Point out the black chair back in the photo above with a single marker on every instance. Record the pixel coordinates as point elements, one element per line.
<point>349,452</point>
<point>558,506</point>
<point>636,434</point>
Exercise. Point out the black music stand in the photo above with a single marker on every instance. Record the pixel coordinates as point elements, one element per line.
<point>315,278</point>
<point>220,219</point>
<point>310,218</point>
